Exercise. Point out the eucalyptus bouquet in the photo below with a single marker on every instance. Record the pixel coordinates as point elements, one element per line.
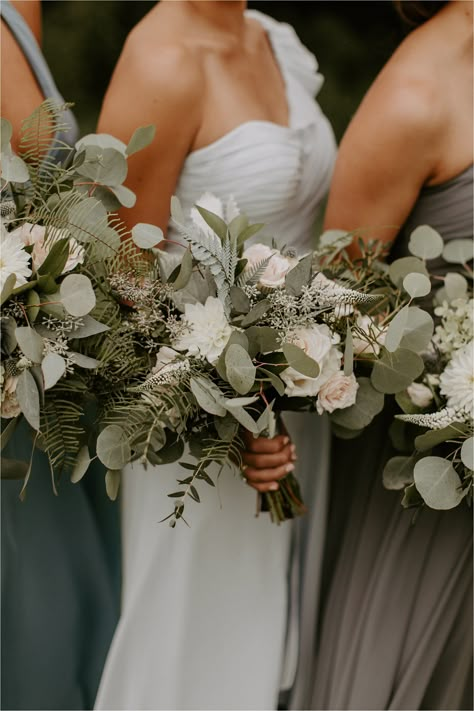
<point>435,433</point>
<point>59,245</point>
<point>228,337</point>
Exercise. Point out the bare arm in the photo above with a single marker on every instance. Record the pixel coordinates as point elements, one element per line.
<point>388,153</point>
<point>160,86</point>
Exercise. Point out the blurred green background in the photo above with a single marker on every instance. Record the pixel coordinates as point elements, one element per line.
<point>352,40</point>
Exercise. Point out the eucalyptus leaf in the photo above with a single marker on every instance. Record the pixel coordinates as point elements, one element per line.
<point>185,271</point>
<point>237,226</point>
<point>8,340</point>
<point>8,287</point>
<point>243,417</point>
<point>432,438</point>
<point>240,401</point>
<point>240,300</point>
<point>262,339</point>
<point>299,276</point>
<point>249,232</point>
<point>13,168</point>
<point>124,195</point>
<point>208,396</point>
<point>344,432</point>
<point>112,483</point>
<point>56,260</point>
<point>467,453</point>
<point>106,166</point>
<point>215,222</point>
<point>425,243</point>
<point>84,361</point>
<point>412,328</point>
<point>399,269</point>
<point>394,372</point>
<point>90,327</point>
<point>81,465</point>
<point>113,448</point>
<point>299,361</point>
<point>369,402</point>
<point>226,427</point>
<point>28,398</point>
<point>142,137</point>
<point>416,285</point>
<point>103,140</point>
<point>259,310</point>
<point>177,211</point>
<point>267,422</point>
<point>275,381</point>
<point>455,285</point>
<point>14,468</point>
<point>458,251</point>
<point>6,132</point>
<point>438,483</point>
<point>411,497</point>
<point>30,342</point>
<point>240,369</point>
<point>77,294</point>
<point>348,352</point>
<point>104,194</point>
<point>53,368</point>
<point>32,304</point>
<point>146,236</point>
<point>398,473</point>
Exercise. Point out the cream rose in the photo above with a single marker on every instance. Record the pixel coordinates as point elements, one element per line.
<point>276,269</point>
<point>419,394</point>
<point>318,343</point>
<point>9,407</point>
<point>35,235</point>
<point>337,393</point>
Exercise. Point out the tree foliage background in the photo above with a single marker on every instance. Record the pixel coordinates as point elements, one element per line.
<point>352,40</point>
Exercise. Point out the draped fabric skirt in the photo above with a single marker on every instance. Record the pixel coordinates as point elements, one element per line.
<point>395,619</point>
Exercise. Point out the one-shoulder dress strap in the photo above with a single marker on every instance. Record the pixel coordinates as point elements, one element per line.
<point>33,54</point>
<point>291,53</point>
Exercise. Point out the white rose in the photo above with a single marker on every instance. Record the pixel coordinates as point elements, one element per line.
<point>339,392</point>
<point>36,235</point>
<point>9,407</point>
<point>419,394</point>
<point>318,342</point>
<point>276,269</point>
<point>208,330</point>
<point>375,336</point>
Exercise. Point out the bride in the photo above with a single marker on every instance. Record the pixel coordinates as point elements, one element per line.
<point>206,613</point>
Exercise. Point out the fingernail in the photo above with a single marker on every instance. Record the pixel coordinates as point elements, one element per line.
<point>274,487</point>
<point>293,448</point>
<point>294,457</point>
<point>286,440</point>
<point>289,468</point>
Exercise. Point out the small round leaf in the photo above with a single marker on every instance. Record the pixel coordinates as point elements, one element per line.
<point>113,448</point>
<point>416,285</point>
<point>146,236</point>
<point>82,464</point>
<point>438,483</point>
<point>458,251</point>
<point>77,294</point>
<point>467,453</point>
<point>53,367</point>
<point>455,286</point>
<point>406,265</point>
<point>425,243</point>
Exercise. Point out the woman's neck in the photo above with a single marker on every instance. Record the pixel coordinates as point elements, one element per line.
<point>223,16</point>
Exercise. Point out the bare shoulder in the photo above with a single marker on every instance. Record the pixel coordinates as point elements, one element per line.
<point>160,65</point>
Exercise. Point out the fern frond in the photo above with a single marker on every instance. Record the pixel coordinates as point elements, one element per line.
<point>61,432</point>
<point>252,274</point>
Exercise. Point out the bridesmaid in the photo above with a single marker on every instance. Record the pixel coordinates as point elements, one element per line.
<point>58,605</point>
<point>396,616</point>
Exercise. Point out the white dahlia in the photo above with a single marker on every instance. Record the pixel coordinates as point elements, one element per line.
<point>13,260</point>
<point>457,380</point>
<point>207,330</point>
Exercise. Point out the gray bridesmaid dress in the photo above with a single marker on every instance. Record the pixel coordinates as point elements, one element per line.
<point>59,602</point>
<point>395,611</point>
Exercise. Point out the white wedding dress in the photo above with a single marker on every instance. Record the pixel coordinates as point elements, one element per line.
<point>205,620</point>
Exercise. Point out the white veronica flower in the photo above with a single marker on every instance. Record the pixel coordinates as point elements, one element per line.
<point>318,343</point>
<point>457,325</point>
<point>43,239</point>
<point>208,330</point>
<point>13,259</point>
<point>339,392</point>
<point>457,379</point>
<point>227,211</point>
<point>420,394</point>
<point>277,268</point>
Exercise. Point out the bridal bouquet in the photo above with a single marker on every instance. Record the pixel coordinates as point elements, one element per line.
<point>226,337</point>
<point>435,433</point>
<point>59,245</point>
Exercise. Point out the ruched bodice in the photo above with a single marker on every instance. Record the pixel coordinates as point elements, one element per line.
<point>277,174</point>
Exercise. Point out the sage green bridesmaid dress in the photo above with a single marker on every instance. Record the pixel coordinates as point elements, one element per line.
<point>394,626</point>
<point>59,602</point>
